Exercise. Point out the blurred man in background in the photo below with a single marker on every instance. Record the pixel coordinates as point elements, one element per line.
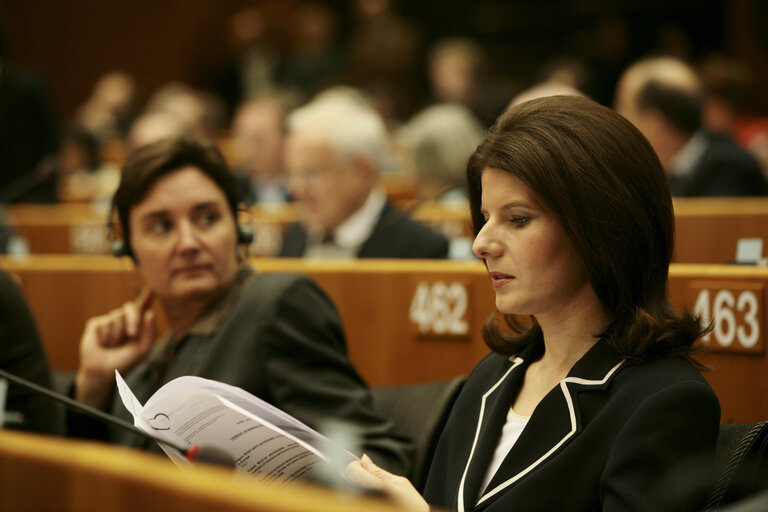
<point>336,145</point>
<point>663,97</point>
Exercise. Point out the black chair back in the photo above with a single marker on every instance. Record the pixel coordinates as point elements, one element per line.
<point>742,461</point>
<point>419,412</point>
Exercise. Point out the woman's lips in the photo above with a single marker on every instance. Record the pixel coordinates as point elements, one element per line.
<point>499,279</point>
<point>191,269</point>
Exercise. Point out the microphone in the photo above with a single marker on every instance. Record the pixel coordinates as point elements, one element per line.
<point>194,453</point>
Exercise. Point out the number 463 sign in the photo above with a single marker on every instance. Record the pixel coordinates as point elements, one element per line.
<point>736,313</point>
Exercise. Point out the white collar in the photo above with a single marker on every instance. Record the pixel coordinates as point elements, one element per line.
<point>358,227</point>
<point>688,157</point>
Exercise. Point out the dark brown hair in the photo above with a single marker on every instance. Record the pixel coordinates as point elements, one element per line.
<point>147,164</point>
<point>597,174</point>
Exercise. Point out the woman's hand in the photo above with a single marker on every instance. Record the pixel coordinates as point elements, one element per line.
<point>368,475</point>
<point>115,341</point>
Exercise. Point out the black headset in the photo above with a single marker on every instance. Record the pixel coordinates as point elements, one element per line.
<point>119,247</point>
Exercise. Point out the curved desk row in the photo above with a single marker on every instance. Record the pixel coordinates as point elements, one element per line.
<point>707,229</point>
<point>416,320</point>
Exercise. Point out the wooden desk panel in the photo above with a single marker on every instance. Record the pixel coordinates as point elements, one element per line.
<point>409,322</point>
<point>707,229</point>
<point>40,473</point>
<point>374,298</point>
<point>76,228</point>
<point>70,228</point>
<point>739,370</point>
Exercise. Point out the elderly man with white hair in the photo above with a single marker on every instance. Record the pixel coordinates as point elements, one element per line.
<point>336,144</point>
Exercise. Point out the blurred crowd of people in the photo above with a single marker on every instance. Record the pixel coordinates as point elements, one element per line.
<point>690,111</point>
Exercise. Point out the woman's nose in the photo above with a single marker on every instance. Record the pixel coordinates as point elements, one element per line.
<point>187,236</point>
<point>485,245</point>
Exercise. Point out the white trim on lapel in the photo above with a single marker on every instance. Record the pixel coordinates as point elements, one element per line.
<point>571,411</point>
<point>515,363</point>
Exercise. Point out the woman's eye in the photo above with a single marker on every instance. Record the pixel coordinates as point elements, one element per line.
<point>160,227</point>
<point>519,221</point>
<point>208,218</point>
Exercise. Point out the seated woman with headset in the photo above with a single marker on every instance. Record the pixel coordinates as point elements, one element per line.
<point>278,336</point>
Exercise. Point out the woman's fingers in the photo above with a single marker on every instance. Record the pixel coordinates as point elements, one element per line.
<point>134,312</point>
<point>116,340</point>
<point>361,477</point>
<point>116,328</point>
<point>367,474</point>
<point>147,334</point>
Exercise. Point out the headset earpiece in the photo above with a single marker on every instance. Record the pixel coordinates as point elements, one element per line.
<point>117,245</point>
<point>245,235</point>
<point>118,248</point>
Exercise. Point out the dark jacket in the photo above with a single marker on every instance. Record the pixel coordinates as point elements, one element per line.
<point>601,440</point>
<point>395,236</point>
<point>724,169</point>
<point>281,340</point>
<point>22,354</point>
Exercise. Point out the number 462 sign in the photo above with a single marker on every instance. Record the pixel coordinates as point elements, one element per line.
<point>736,312</point>
<point>439,309</point>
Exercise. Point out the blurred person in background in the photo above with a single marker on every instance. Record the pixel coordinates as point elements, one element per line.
<point>335,148</point>
<point>29,134</point>
<point>153,126</point>
<point>664,98</point>
<point>382,57</point>
<point>438,142</point>
<point>544,89</point>
<point>109,110</point>
<point>457,71</point>
<point>22,354</point>
<point>312,60</point>
<point>728,90</point>
<point>252,63</point>
<point>199,111</point>
<point>574,73</point>
<point>83,176</point>
<point>258,135</point>
<point>176,109</point>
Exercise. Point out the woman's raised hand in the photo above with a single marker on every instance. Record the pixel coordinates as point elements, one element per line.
<point>368,475</point>
<point>114,341</point>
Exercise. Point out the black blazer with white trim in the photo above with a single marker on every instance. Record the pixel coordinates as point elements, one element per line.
<point>601,440</point>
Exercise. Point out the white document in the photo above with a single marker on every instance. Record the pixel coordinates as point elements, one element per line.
<point>258,436</point>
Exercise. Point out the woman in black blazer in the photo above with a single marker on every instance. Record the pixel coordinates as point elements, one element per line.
<point>590,395</point>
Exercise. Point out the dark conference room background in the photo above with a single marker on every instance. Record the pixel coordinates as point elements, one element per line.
<point>71,44</point>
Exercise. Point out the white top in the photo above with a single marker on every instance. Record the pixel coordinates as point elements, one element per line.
<point>510,433</point>
<point>688,157</point>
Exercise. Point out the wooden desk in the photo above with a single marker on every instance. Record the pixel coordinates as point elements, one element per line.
<point>79,228</point>
<point>707,229</point>
<point>64,291</point>
<point>68,228</point>
<point>40,473</point>
<point>733,297</point>
<point>418,321</point>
